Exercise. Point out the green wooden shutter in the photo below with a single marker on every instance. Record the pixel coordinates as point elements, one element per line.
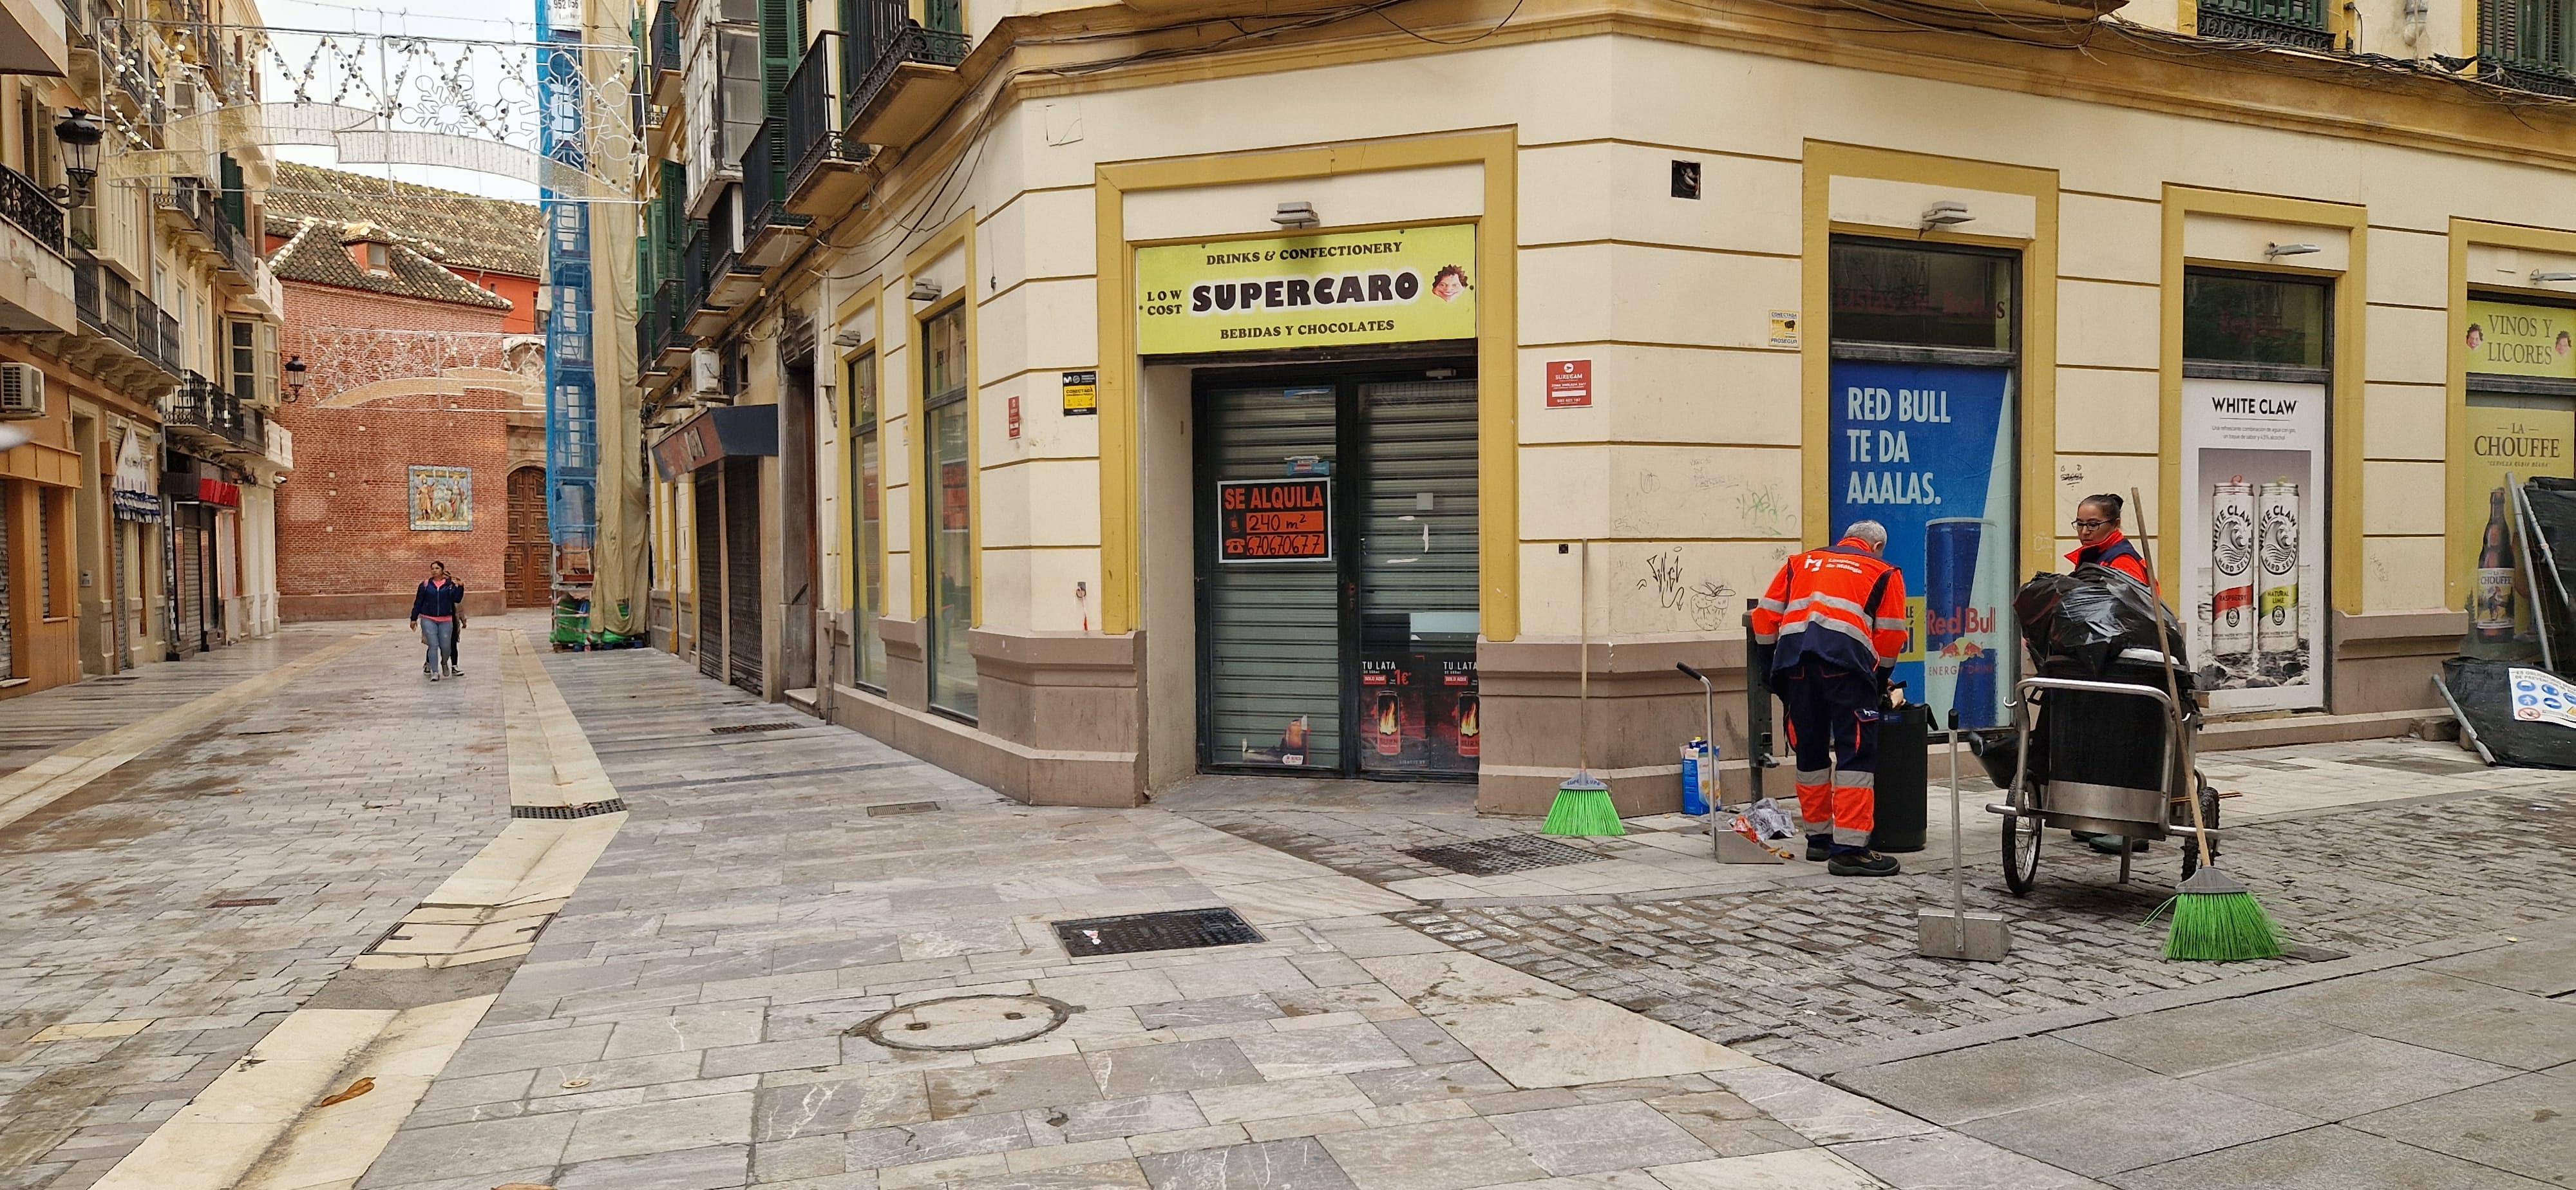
<point>236,211</point>
<point>780,46</point>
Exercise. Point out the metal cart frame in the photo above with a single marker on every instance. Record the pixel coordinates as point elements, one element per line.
<point>2033,804</point>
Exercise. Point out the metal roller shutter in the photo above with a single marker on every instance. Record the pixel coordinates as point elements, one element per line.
<point>742,570</point>
<point>7,652</point>
<point>1416,484</point>
<point>189,591</point>
<point>118,642</point>
<point>1273,645</point>
<point>709,596</point>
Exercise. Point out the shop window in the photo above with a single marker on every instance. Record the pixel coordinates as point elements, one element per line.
<point>867,473</point>
<point>2239,318</point>
<point>1896,293</point>
<point>950,537</point>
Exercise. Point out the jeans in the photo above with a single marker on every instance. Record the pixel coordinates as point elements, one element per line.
<point>440,636</point>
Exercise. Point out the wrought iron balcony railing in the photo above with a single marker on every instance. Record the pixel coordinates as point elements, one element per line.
<point>2299,23</point>
<point>889,38</point>
<point>666,37</point>
<point>113,308</point>
<point>764,183</point>
<point>817,109</point>
<point>31,207</point>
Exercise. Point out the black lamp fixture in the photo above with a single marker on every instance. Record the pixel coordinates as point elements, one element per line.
<point>294,378</point>
<point>80,136</point>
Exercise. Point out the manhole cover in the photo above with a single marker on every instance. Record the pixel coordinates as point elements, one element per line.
<point>964,1022</point>
<point>890,811</point>
<point>744,728</point>
<point>1177,929</point>
<point>1510,853</point>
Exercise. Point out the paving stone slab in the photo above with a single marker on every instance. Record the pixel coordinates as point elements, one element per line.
<point>1295,1164</point>
<point>2326,1158</point>
<point>2525,1124</point>
<point>1990,1080</point>
<point>2350,1078</point>
<point>1596,1138</point>
<point>2134,1124</point>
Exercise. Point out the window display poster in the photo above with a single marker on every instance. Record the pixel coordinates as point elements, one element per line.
<point>2511,439</point>
<point>2253,541</point>
<point>2511,340</point>
<point>1928,451</point>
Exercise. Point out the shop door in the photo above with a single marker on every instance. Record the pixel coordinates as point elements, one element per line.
<point>188,588</point>
<point>742,570</point>
<point>709,597</point>
<point>1337,576</point>
<point>7,650</point>
<point>524,565</point>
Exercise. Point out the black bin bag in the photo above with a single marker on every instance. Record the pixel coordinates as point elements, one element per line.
<point>2077,625</point>
<point>2490,693</point>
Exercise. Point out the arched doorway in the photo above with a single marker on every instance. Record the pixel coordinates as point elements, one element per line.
<point>526,567</point>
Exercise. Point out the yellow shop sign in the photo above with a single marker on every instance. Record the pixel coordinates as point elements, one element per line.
<point>1330,290</point>
<point>2509,340</point>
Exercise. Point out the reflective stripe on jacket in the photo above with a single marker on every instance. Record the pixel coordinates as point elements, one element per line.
<point>1814,609</point>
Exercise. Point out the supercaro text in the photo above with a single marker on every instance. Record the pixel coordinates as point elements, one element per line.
<point>1298,293</point>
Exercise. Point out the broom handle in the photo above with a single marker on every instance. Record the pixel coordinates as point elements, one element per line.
<point>1583,664</point>
<point>2173,690</point>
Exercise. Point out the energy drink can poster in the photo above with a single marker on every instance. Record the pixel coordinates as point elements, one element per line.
<point>2253,536</point>
<point>1928,451</point>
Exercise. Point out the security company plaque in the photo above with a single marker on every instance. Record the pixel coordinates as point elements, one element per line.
<point>1275,520</point>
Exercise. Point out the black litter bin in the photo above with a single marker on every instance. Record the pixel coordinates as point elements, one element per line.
<point>1904,739</point>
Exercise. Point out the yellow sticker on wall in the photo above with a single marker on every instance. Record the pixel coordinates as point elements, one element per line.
<point>1402,285</point>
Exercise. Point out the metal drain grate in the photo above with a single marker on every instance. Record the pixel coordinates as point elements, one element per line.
<point>747,728</point>
<point>1510,853</point>
<point>889,811</point>
<point>585,810</point>
<point>1176,929</point>
<point>242,902</point>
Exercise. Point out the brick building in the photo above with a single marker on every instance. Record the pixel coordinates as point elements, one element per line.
<point>419,415</point>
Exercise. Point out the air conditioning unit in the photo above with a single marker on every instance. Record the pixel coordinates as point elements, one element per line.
<point>22,391</point>
<point>706,373</point>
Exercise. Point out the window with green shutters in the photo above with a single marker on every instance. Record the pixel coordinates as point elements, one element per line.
<point>2528,43</point>
<point>946,16</point>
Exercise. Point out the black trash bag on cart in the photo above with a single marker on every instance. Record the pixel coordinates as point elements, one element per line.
<point>2513,731</point>
<point>2082,621</point>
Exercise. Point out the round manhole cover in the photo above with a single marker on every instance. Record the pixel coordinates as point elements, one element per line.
<point>964,1022</point>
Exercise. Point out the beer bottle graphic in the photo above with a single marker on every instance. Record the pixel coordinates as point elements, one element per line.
<point>2491,610</point>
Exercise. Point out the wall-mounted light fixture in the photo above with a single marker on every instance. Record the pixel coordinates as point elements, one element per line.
<point>1297,214</point>
<point>2277,251</point>
<point>925,290</point>
<point>1945,213</point>
<point>2541,278</point>
<point>294,378</point>
<point>80,136</point>
<point>849,339</point>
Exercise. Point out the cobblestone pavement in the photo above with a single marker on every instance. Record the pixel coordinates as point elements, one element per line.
<point>36,724</point>
<point>317,815</point>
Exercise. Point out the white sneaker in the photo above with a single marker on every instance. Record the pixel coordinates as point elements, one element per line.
<point>433,677</point>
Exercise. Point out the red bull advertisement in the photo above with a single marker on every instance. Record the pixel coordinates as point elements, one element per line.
<point>1928,451</point>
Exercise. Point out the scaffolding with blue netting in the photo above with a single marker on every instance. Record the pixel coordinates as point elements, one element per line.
<point>572,390</point>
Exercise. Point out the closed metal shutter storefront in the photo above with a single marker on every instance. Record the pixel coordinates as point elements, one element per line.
<point>1416,484</point>
<point>742,570</point>
<point>710,593</point>
<point>1273,644</point>
<point>189,590</point>
<point>120,644</point>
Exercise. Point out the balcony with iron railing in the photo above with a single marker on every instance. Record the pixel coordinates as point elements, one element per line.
<point>2300,23</point>
<point>822,164</point>
<point>910,79</point>
<point>661,81</point>
<point>673,308</point>
<point>2529,45</point>
<point>124,318</point>
<point>31,208</point>
<point>769,230</point>
<point>196,211</point>
<point>36,288</point>
<point>203,413</point>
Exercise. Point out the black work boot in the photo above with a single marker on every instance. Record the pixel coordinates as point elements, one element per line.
<point>1819,847</point>
<point>1861,863</point>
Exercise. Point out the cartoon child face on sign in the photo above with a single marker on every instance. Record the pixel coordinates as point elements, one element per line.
<point>2477,336</point>
<point>2565,344</point>
<point>1449,282</point>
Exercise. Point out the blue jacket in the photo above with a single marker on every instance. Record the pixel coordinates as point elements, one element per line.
<point>437,599</point>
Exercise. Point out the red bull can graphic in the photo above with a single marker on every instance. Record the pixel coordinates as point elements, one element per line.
<point>1961,646</point>
<point>2231,568</point>
<point>2278,628</point>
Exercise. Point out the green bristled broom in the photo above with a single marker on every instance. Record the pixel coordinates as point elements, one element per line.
<point>1583,805</point>
<point>2215,918</point>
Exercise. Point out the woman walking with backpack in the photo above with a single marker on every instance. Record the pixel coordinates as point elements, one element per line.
<point>435,609</point>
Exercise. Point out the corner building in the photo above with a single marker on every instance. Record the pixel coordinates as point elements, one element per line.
<point>1085,398</point>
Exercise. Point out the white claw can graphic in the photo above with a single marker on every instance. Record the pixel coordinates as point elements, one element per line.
<point>2231,568</point>
<point>2278,629</point>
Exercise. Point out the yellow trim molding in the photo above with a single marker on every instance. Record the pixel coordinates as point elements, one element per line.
<point>848,529</point>
<point>960,230</point>
<point>2344,407</point>
<point>2037,378</point>
<point>1497,345</point>
<point>2460,534</point>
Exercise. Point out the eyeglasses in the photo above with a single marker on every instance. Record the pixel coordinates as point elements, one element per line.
<point>2082,524</point>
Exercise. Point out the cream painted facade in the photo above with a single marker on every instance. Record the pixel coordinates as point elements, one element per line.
<point>1022,189</point>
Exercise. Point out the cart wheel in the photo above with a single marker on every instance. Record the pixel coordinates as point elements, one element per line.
<point>2021,852</point>
<point>2208,818</point>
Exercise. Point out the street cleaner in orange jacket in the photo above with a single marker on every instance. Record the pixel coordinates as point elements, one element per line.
<point>1836,620</point>
<point>2098,539</point>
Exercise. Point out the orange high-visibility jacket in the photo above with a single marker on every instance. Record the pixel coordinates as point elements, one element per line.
<point>1815,609</point>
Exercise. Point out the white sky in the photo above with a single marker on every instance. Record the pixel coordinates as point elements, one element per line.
<point>497,19</point>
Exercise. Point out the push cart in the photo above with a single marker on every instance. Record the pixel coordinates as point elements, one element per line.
<point>2095,752</point>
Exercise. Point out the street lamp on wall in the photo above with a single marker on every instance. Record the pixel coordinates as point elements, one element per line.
<point>80,136</point>
<point>294,378</point>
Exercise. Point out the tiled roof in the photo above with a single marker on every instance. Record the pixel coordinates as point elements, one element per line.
<point>460,230</point>
<point>315,253</point>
